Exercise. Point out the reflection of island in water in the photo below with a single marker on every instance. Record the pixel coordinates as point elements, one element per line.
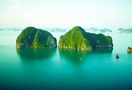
<point>73,54</point>
<point>102,50</point>
<point>35,53</point>
<point>80,55</point>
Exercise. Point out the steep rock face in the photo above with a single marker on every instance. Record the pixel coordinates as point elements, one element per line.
<point>99,40</point>
<point>31,37</point>
<point>77,38</point>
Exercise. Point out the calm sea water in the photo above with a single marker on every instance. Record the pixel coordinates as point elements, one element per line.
<point>59,69</point>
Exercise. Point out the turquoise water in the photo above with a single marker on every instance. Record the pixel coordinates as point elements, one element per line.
<point>60,69</point>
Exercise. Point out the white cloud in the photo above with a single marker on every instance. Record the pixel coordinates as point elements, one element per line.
<point>17,7</point>
<point>15,1</point>
<point>33,13</point>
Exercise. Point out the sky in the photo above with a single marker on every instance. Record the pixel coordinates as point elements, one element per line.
<point>66,13</point>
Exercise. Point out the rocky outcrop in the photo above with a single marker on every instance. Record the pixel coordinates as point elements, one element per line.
<point>117,56</point>
<point>31,37</point>
<point>129,50</point>
<point>77,38</point>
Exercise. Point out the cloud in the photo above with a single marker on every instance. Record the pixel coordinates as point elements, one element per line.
<point>16,4</point>
<point>33,13</point>
<point>15,1</point>
<point>17,7</point>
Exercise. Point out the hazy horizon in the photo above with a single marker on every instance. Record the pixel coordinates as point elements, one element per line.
<point>66,13</point>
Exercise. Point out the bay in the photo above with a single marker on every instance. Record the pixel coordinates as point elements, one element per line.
<point>61,69</point>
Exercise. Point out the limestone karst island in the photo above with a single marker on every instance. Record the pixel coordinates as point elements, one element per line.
<point>76,38</point>
<point>31,37</point>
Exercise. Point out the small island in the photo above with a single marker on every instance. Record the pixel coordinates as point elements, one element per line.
<point>31,37</point>
<point>93,29</point>
<point>129,50</point>
<point>122,30</point>
<point>78,39</point>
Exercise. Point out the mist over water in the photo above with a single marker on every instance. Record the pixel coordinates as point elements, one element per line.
<point>61,69</point>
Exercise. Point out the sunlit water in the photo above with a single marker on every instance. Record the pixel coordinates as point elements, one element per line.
<point>59,69</point>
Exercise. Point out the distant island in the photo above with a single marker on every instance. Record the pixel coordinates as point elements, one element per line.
<point>78,39</point>
<point>93,29</point>
<point>31,37</point>
<point>121,30</point>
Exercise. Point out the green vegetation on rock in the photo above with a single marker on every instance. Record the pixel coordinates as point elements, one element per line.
<point>31,37</point>
<point>129,50</point>
<point>77,38</point>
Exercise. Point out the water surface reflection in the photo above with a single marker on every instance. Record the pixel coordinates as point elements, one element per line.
<point>35,53</point>
<point>77,57</point>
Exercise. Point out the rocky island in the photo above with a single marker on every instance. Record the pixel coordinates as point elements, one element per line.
<point>78,39</point>
<point>122,30</point>
<point>93,29</point>
<point>31,37</point>
<point>129,50</point>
